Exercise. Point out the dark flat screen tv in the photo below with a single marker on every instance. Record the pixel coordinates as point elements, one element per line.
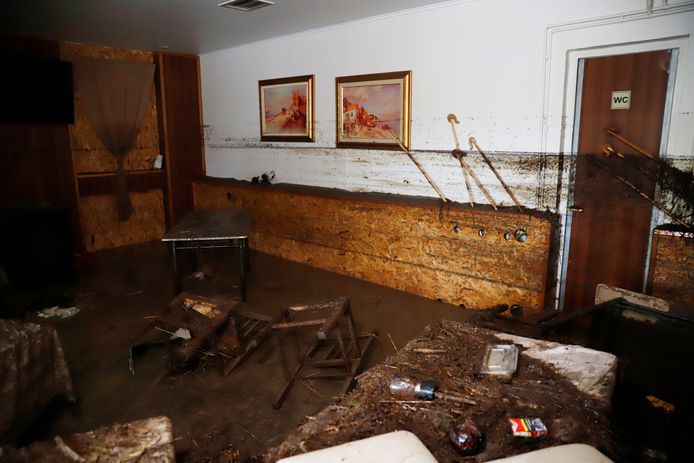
<point>36,91</point>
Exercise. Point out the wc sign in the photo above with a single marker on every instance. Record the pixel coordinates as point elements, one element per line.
<point>621,99</point>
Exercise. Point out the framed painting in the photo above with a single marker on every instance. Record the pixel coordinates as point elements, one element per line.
<point>373,110</point>
<point>286,109</point>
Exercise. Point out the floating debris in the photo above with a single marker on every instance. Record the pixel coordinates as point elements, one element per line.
<point>57,311</point>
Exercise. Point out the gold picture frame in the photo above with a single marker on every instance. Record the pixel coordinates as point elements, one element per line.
<point>371,107</point>
<point>286,109</point>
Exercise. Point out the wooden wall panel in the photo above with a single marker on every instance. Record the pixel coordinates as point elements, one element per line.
<point>180,123</point>
<point>102,229</point>
<point>35,159</point>
<point>672,266</point>
<point>95,167</point>
<point>405,245</point>
<point>100,184</point>
<point>89,152</point>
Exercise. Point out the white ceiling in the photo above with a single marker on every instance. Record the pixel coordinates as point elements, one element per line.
<point>194,26</point>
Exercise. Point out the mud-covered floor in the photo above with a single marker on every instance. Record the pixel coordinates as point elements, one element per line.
<point>211,414</point>
<point>129,284</point>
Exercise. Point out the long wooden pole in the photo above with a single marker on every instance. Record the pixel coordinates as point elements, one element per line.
<point>452,119</point>
<point>632,145</point>
<point>608,150</point>
<point>419,166</point>
<point>641,193</point>
<point>473,144</point>
<point>458,153</point>
<point>469,170</point>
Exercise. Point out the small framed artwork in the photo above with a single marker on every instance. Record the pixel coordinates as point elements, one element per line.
<point>373,110</point>
<point>286,109</point>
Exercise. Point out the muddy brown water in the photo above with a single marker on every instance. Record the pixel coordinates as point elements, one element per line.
<point>209,413</point>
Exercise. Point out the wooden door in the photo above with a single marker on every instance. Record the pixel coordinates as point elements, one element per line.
<point>180,129</point>
<point>609,237</point>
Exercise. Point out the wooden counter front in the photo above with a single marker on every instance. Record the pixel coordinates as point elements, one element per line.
<point>449,252</point>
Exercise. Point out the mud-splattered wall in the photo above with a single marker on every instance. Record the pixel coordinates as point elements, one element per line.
<point>513,88</point>
<point>457,254</point>
<point>99,221</point>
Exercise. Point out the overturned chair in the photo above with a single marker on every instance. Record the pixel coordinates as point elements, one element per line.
<point>337,352</point>
<point>196,326</point>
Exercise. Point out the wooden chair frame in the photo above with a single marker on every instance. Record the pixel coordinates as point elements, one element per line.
<point>345,353</point>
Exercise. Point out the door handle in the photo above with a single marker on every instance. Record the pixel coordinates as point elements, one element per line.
<point>575,208</point>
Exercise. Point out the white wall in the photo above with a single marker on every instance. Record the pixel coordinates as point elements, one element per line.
<point>499,65</point>
<point>506,68</point>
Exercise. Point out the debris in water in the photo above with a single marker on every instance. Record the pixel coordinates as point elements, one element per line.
<point>466,437</point>
<point>57,311</point>
<point>528,427</point>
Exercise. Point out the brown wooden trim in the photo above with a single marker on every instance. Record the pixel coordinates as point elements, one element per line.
<point>177,53</point>
<point>164,137</point>
<point>128,173</point>
<point>77,221</point>
<point>178,78</point>
<point>203,165</point>
<point>105,183</point>
<point>421,202</point>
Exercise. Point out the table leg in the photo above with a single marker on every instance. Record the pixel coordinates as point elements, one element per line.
<point>177,279</point>
<point>243,255</point>
<point>194,256</point>
<point>247,250</point>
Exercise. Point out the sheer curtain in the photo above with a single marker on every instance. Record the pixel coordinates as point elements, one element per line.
<point>115,94</point>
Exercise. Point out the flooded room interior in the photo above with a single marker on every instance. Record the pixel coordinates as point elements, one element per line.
<point>324,231</point>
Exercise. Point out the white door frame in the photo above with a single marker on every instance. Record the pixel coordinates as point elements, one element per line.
<point>656,214</point>
<point>565,45</point>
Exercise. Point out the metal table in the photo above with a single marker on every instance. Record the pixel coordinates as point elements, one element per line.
<point>203,229</point>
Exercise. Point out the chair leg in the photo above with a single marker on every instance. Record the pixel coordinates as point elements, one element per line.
<point>291,377</point>
<point>343,351</point>
<point>177,278</point>
<point>353,335</point>
<point>283,360</point>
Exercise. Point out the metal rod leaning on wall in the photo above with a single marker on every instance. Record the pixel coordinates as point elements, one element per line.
<point>419,166</point>
<point>458,154</point>
<point>473,144</point>
<point>641,193</point>
<point>453,119</point>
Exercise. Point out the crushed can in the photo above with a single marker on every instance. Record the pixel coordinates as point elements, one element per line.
<point>426,389</point>
<point>406,388</point>
<point>528,427</point>
<point>466,437</point>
